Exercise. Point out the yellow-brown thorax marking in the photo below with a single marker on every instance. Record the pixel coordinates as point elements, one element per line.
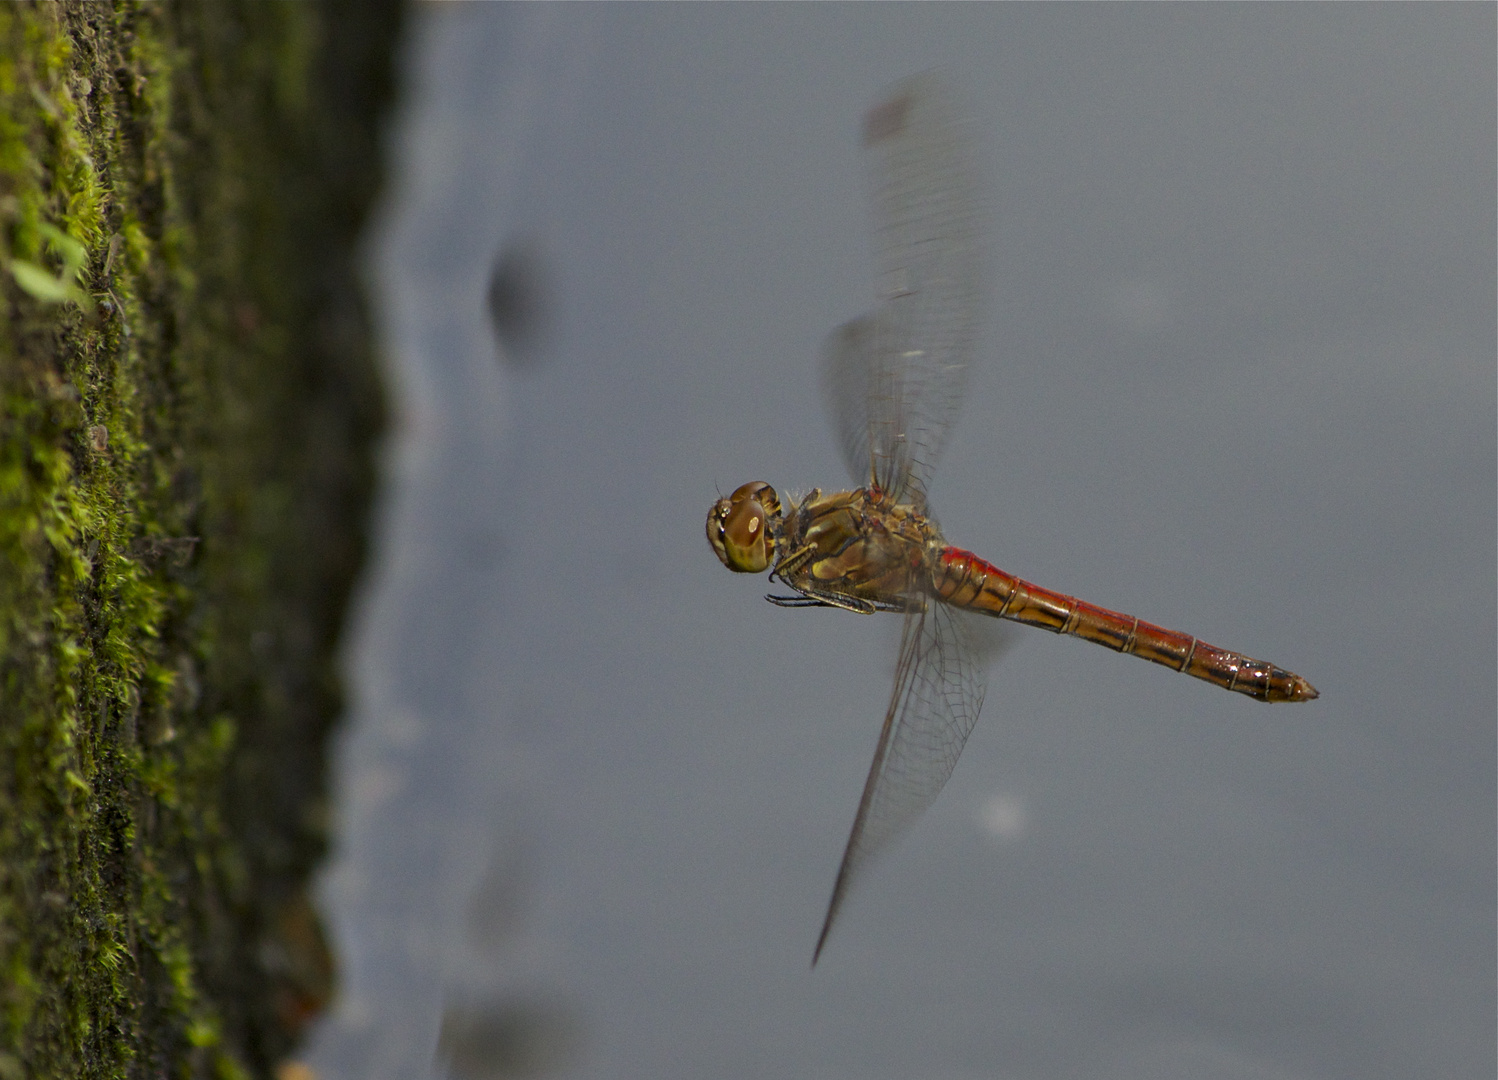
<point>856,544</point>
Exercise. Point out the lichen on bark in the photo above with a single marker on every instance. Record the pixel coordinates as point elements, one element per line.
<point>188,409</point>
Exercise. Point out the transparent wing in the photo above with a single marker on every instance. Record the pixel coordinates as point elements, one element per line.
<point>938,692</point>
<point>895,378</point>
<point>848,374</point>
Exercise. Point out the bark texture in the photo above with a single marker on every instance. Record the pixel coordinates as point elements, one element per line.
<point>189,404</point>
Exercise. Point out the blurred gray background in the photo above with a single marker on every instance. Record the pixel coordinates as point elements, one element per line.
<point>1237,377</point>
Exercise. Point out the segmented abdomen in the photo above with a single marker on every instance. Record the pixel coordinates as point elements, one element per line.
<point>963,580</point>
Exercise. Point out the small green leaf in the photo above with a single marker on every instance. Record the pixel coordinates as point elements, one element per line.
<point>40,284</point>
<point>74,254</point>
<point>46,288</point>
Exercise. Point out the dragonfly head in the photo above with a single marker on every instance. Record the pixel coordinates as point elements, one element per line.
<point>742,528</point>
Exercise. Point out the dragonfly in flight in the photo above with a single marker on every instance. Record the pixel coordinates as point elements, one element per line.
<point>894,380</point>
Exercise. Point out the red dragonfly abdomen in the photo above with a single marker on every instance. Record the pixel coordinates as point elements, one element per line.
<point>963,580</point>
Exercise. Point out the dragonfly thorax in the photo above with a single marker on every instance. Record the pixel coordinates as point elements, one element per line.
<point>742,528</point>
<point>855,549</point>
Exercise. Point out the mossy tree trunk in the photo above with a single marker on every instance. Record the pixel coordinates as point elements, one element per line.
<point>188,409</point>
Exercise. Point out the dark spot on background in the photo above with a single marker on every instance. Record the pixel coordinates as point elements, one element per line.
<point>493,1040</point>
<point>519,300</point>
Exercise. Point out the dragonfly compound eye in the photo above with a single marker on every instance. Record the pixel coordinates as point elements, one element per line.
<point>738,528</point>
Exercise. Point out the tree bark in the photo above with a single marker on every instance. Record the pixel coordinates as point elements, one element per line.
<point>189,407</point>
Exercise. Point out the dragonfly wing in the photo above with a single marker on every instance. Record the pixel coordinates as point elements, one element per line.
<point>937,694</point>
<point>899,374</point>
<point>849,372</point>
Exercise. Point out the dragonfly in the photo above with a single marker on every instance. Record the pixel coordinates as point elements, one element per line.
<point>894,379</point>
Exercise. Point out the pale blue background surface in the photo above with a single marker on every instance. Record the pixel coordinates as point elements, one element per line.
<point>1237,378</point>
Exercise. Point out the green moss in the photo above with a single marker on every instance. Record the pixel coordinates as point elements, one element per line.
<point>187,408</point>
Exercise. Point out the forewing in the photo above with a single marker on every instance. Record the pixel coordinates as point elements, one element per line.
<point>849,375</point>
<point>896,377</point>
<point>937,694</point>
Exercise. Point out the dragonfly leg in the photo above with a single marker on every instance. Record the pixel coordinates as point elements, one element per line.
<point>794,561</point>
<point>796,601</point>
<point>823,598</point>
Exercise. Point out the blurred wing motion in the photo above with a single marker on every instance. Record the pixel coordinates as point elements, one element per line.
<point>893,381</point>
<point>935,703</point>
<point>894,378</point>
